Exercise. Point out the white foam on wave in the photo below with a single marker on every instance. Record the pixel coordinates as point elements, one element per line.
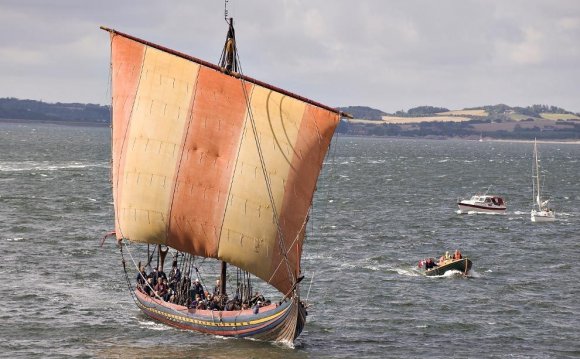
<point>148,324</point>
<point>452,273</point>
<point>46,166</point>
<point>407,272</point>
<point>16,239</point>
<point>456,274</point>
<point>286,344</point>
<point>473,274</point>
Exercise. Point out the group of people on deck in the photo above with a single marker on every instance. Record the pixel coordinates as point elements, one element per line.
<point>191,293</point>
<point>444,259</point>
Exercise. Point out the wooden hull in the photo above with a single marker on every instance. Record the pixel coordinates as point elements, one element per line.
<point>279,323</point>
<point>462,265</point>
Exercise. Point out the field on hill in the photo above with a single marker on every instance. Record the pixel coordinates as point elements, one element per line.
<point>559,116</point>
<point>405,120</point>
<point>477,113</point>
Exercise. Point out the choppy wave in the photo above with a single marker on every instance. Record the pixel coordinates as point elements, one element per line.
<point>27,166</point>
<point>360,254</point>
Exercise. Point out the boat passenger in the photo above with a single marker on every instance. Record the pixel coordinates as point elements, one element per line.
<point>196,289</point>
<point>201,305</point>
<point>232,304</point>
<point>169,292</point>
<point>174,275</point>
<point>441,260</point>
<point>141,279</point>
<point>160,288</point>
<point>195,301</point>
<point>430,263</point>
<point>257,298</point>
<point>161,273</point>
<point>218,288</point>
<point>215,303</point>
<point>183,287</point>
<point>148,288</point>
<point>457,255</point>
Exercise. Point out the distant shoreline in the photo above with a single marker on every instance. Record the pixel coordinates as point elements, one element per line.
<point>98,124</point>
<point>564,142</point>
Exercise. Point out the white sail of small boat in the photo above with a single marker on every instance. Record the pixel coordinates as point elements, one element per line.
<point>540,212</point>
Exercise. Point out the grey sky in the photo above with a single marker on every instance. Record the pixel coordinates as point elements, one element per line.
<point>390,55</point>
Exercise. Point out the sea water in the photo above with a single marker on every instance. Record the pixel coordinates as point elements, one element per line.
<point>381,206</point>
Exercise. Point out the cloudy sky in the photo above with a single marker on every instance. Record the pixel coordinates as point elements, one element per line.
<point>391,55</point>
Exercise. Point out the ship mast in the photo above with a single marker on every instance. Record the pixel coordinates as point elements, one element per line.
<point>228,60</point>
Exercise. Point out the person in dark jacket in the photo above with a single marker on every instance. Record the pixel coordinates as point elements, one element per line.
<point>430,263</point>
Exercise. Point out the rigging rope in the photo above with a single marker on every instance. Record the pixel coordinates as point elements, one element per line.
<point>230,62</point>
<point>131,290</point>
<point>266,177</point>
<point>226,10</point>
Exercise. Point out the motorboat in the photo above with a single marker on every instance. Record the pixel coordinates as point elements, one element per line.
<point>462,265</point>
<point>482,203</point>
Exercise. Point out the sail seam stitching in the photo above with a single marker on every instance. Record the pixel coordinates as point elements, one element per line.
<point>185,136</point>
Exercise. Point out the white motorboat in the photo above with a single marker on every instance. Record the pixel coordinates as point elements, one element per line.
<point>540,212</point>
<point>482,203</point>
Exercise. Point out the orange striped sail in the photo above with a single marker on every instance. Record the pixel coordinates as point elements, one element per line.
<point>213,164</point>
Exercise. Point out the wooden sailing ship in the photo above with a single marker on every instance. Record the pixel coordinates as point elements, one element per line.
<point>209,163</point>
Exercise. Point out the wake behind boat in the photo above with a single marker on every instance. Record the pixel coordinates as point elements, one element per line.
<point>482,203</point>
<point>211,166</point>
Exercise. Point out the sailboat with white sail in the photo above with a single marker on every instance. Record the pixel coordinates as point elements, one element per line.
<point>540,211</point>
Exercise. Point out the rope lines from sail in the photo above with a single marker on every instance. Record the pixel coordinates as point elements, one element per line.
<point>138,270</point>
<point>129,279</point>
<point>174,310</point>
<point>230,53</point>
<point>265,173</point>
<point>227,11</point>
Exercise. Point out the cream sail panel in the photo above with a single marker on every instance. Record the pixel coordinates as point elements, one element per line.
<point>249,234</point>
<point>156,132</point>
